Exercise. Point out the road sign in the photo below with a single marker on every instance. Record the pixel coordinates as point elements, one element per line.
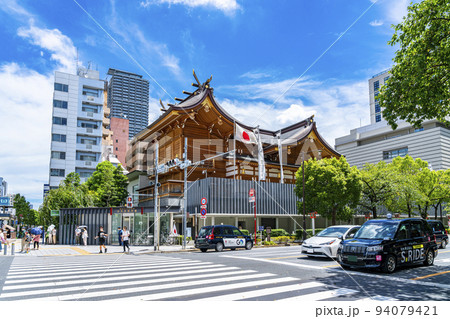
<point>252,199</point>
<point>203,201</point>
<point>203,211</point>
<point>129,202</point>
<point>5,201</point>
<point>203,206</point>
<point>251,192</point>
<point>260,228</point>
<point>54,213</point>
<point>313,215</point>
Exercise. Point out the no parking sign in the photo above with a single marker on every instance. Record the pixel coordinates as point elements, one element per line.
<point>203,213</point>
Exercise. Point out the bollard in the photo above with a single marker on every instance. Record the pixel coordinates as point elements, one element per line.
<point>13,246</point>
<point>5,249</point>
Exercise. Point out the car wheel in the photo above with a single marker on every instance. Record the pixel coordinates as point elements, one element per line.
<point>429,260</point>
<point>248,245</point>
<point>443,244</point>
<point>390,264</point>
<point>219,247</point>
<point>203,250</point>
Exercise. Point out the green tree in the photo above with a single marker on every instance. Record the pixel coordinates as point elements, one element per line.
<point>437,190</point>
<point>377,186</point>
<point>70,194</point>
<point>24,213</point>
<point>406,195</point>
<point>332,187</point>
<point>109,184</point>
<point>419,87</point>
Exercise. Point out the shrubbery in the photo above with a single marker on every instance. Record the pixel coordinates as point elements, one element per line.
<point>245,232</point>
<point>299,233</point>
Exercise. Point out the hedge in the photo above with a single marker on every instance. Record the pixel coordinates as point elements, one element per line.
<point>245,232</point>
<point>299,233</point>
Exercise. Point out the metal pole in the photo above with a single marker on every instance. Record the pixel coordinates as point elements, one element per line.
<point>184,193</point>
<point>303,198</point>
<point>255,218</point>
<point>155,197</point>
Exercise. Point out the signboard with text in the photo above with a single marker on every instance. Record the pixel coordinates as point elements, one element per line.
<point>5,201</point>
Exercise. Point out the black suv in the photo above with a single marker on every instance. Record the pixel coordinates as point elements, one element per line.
<point>439,232</point>
<point>220,237</point>
<point>389,243</point>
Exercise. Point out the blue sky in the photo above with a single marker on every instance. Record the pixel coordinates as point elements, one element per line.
<point>255,50</point>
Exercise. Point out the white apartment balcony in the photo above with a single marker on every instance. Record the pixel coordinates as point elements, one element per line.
<point>90,131</point>
<point>93,99</point>
<point>89,147</point>
<point>91,115</point>
<point>86,164</point>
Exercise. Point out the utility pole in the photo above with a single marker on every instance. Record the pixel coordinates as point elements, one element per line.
<point>155,197</point>
<point>184,193</point>
<point>303,199</point>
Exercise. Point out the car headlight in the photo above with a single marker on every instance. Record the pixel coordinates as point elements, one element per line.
<point>329,243</point>
<point>375,248</point>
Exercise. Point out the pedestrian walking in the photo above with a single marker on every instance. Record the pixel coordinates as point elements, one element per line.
<point>119,232</point>
<point>125,238</point>
<point>85,236</point>
<point>3,239</point>
<point>27,242</point>
<point>102,235</point>
<point>54,235</point>
<point>77,235</point>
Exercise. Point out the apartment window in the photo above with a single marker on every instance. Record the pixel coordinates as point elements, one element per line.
<point>92,109</point>
<point>90,92</point>
<point>84,173</point>
<point>87,140</point>
<point>117,148</point>
<point>88,124</point>
<point>58,155</point>
<point>59,120</point>
<point>377,107</point>
<point>378,118</point>
<point>117,141</point>
<point>60,104</point>
<point>386,78</point>
<point>376,85</point>
<point>61,87</point>
<point>58,138</point>
<point>86,157</point>
<point>57,172</point>
<point>394,153</point>
<point>420,129</point>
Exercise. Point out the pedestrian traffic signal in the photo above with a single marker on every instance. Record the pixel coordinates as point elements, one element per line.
<point>129,202</point>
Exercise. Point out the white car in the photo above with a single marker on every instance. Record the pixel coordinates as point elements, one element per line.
<point>326,243</point>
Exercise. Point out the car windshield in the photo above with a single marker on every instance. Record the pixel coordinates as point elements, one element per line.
<point>205,231</point>
<point>332,232</point>
<point>378,230</point>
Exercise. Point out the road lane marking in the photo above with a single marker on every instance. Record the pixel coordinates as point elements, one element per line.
<point>81,251</point>
<point>322,295</point>
<point>263,292</point>
<point>196,291</point>
<point>79,289</point>
<point>431,275</point>
<point>300,256</point>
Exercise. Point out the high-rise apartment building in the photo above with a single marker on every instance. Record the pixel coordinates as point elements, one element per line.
<point>375,84</point>
<point>3,187</point>
<point>77,117</point>
<point>128,97</point>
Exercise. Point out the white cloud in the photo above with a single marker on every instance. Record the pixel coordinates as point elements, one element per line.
<point>59,45</point>
<point>226,6</point>
<point>337,108</point>
<point>255,75</point>
<point>376,23</point>
<point>25,107</point>
<point>396,10</point>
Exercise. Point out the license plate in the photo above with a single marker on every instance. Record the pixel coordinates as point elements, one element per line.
<point>310,251</point>
<point>352,258</point>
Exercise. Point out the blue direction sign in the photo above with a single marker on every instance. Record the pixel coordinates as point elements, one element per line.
<point>4,201</point>
<point>203,211</point>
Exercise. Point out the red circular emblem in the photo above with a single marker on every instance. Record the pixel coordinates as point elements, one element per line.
<point>245,136</point>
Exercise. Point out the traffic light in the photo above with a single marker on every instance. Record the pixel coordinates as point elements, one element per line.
<point>172,163</point>
<point>129,202</point>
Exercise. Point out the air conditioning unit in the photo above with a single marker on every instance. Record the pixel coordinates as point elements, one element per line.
<point>89,147</point>
<point>90,114</point>
<point>89,130</point>
<point>87,163</point>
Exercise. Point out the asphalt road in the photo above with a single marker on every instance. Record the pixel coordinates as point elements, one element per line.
<point>277,273</point>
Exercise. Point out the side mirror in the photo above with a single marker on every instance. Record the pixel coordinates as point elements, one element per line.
<point>341,237</point>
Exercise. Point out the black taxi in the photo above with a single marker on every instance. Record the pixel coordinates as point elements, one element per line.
<point>222,236</point>
<point>388,243</point>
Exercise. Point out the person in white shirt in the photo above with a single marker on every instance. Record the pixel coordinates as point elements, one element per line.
<point>125,238</point>
<point>85,236</point>
<point>53,234</point>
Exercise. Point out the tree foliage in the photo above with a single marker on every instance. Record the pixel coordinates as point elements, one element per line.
<point>332,187</point>
<point>419,87</point>
<point>24,213</point>
<point>109,184</point>
<point>377,186</point>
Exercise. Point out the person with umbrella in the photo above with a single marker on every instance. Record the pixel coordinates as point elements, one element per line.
<point>36,233</point>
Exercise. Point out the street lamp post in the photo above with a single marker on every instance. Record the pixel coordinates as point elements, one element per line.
<point>303,197</point>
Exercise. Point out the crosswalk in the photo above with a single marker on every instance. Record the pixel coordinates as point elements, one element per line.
<point>152,277</point>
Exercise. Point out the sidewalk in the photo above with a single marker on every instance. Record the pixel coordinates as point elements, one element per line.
<point>77,250</point>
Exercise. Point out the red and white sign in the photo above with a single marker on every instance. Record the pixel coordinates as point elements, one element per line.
<point>130,202</point>
<point>202,206</point>
<point>251,192</point>
<point>203,213</point>
<point>245,136</point>
<point>203,201</point>
<point>313,215</point>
